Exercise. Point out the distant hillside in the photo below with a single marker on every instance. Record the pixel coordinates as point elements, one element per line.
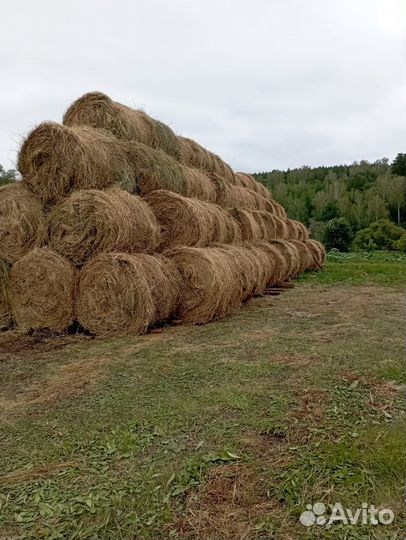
<point>362,193</point>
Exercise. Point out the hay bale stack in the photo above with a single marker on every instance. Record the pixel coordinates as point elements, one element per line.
<point>190,222</point>
<point>153,169</point>
<point>243,262</point>
<point>296,230</point>
<point>42,287</point>
<point>281,228</point>
<point>91,221</point>
<point>291,255</point>
<point>5,308</point>
<point>194,155</point>
<point>55,160</point>
<point>266,222</point>
<point>318,253</point>
<point>300,230</point>
<point>97,110</point>
<point>305,255</point>
<point>113,296</point>
<point>164,283</point>
<point>199,185</point>
<point>21,221</point>
<point>230,196</point>
<point>278,265</point>
<point>251,227</point>
<point>210,289</point>
<point>249,182</point>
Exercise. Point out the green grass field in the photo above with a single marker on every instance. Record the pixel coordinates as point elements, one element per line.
<point>226,430</point>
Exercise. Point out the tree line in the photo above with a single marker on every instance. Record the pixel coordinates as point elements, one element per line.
<point>348,199</point>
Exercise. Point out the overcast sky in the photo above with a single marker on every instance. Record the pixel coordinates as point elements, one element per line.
<point>264,83</point>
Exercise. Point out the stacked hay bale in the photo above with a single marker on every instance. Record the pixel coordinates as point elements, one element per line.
<point>119,224</point>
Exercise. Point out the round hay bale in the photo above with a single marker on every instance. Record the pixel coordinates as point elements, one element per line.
<point>266,222</point>
<point>183,221</point>
<point>55,160</point>
<point>249,182</point>
<point>225,229</point>
<point>291,229</point>
<point>199,185</point>
<point>209,287</point>
<point>281,229</point>
<point>194,155</point>
<point>5,308</point>
<point>91,221</point>
<point>291,256</point>
<point>153,169</point>
<point>190,222</point>
<point>113,296</point>
<point>164,283</point>
<point>246,180</point>
<point>251,226</point>
<point>305,255</point>
<point>42,291</point>
<point>243,261</point>
<point>278,264</point>
<point>318,252</point>
<point>263,267</point>
<point>302,232</point>
<point>97,110</point>
<point>21,221</point>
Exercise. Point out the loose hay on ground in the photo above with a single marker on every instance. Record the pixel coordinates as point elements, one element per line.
<point>42,291</point>
<point>91,221</point>
<point>21,221</point>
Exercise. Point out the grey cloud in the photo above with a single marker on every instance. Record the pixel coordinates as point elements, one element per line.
<point>265,84</point>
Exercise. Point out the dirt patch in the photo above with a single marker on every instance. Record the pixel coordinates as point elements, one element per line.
<point>228,505</point>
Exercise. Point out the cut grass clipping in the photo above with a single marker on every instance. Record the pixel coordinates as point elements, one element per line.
<point>189,222</point>
<point>97,110</point>
<point>21,221</point>
<point>42,289</point>
<point>54,160</point>
<point>91,221</point>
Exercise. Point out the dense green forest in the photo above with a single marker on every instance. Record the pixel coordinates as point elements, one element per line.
<point>346,198</point>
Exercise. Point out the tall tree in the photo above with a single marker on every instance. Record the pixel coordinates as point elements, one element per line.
<point>398,165</point>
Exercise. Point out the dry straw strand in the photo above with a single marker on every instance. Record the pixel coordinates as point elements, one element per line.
<point>42,291</point>
<point>21,221</point>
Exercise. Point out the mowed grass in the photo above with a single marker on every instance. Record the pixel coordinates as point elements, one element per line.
<point>226,430</point>
<point>380,267</point>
